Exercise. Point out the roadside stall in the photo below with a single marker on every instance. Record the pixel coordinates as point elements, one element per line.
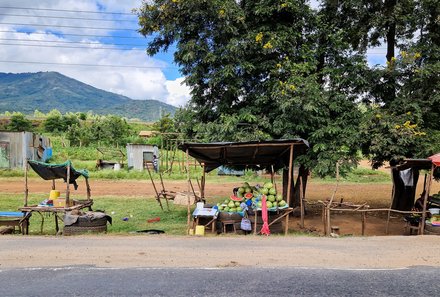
<point>424,212</point>
<point>262,203</point>
<point>55,204</point>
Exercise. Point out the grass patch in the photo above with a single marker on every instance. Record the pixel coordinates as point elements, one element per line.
<point>360,175</point>
<point>136,210</point>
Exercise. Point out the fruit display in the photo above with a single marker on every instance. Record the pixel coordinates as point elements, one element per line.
<point>252,196</point>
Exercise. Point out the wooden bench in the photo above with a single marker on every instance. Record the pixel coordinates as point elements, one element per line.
<point>16,219</point>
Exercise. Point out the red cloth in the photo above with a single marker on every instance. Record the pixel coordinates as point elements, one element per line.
<point>265,229</point>
<point>435,159</point>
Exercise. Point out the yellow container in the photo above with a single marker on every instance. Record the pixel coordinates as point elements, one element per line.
<point>200,230</point>
<point>54,194</point>
<point>191,231</point>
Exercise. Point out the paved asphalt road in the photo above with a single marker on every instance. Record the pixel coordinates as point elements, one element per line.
<point>92,281</point>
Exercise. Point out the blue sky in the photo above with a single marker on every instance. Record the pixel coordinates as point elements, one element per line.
<point>92,41</point>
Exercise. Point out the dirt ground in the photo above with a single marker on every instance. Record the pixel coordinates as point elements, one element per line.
<point>352,252</point>
<point>376,195</point>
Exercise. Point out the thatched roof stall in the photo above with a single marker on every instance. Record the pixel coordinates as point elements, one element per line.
<point>270,155</point>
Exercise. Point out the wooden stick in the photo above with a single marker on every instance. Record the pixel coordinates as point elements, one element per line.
<point>287,212</point>
<point>26,189</point>
<point>53,184</point>
<point>289,184</point>
<point>202,183</point>
<point>273,179</point>
<point>255,222</point>
<point>364,222</point>
<point>187,194</point>
<point>68,188</point>
<point>154,187</point>
<point>425,200</point>
<point>391,203</point>
<point>301,202</point>
<point>88,189</point>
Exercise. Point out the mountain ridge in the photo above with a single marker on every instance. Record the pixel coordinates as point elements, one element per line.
<point>26,92</point>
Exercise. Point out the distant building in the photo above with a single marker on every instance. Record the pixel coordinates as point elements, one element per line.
<point>141,155</point>
<point>147,134</point>
<point>17,147</point>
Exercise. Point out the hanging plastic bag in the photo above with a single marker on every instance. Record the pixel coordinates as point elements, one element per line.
<point>245,224</point>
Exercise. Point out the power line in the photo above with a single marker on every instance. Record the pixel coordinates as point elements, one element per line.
<point>66,26</point>
<point>72,34</point>
<point>88,65</point>
<point>66,10</point>
<point>68,42</point>
<point>64,17</point>
<point>71,46</point>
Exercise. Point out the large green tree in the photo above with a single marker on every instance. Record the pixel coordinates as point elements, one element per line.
<point>257,70</point>
<point>19,123</point>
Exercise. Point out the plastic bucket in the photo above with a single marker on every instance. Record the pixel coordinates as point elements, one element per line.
<point>434,211</point>
<point>200,230</point>
<point>117,167</point>
<point>54,194</point>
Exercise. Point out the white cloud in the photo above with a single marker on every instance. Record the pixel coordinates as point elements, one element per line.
<point>178,92</point>
<point>145,80</point>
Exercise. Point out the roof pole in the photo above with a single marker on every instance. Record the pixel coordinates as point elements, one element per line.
<point>289,188</point>
<point>425,199</point>
<point>88,189</point>
<point>26,190</point>
<point>289,183</point>
<point>187,193</point>
<point>67,187</point>
<point>202,186</point>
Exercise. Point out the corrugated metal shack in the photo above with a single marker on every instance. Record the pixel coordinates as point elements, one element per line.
<point>16,147</point>
<point>141,155</point>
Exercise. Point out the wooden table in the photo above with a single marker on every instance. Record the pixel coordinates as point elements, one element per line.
<point>56,211</point>
<point>205,213</point>
<point>16,219</point>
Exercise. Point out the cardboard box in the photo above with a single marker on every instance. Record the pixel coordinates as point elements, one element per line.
<point>61,202</point>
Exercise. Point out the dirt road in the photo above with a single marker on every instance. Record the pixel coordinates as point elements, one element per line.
<point>220,251</point>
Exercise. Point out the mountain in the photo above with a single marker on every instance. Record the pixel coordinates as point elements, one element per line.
<point>26,92</point>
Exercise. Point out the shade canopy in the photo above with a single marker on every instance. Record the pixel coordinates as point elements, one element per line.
<point>252,154</point>
<point>58,171</point>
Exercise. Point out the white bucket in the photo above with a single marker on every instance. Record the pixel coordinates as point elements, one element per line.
<point>434,211</point>
<point>200,205</point>
<point>117,167</point>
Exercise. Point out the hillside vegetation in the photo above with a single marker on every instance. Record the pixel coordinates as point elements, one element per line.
<point>25,92</point>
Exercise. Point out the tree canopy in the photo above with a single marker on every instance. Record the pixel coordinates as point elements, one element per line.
<point>266,69</point>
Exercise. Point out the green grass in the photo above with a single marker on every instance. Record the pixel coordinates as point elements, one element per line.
<point>360,175</point>
<point>136,210</point>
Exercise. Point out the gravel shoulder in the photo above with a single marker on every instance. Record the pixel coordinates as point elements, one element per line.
<point>219,252</point>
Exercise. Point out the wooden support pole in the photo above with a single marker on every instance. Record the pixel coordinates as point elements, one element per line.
<point>68,187</point>
<point>255,222</point>
<point>289,187</point>
<point>88,189</point>
<point>425,200</point>
<point>202,183</point>
<point>53,184</point>
<point>26,189</point>
<point>364,222</point>
<point>301,202</point>
<point>154,187</point>
<point>188,193</point>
